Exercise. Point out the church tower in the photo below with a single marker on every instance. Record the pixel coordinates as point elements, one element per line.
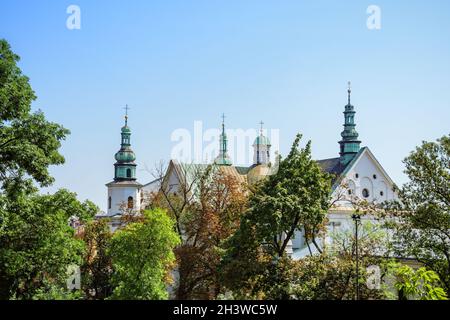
<point>261,148</point>
<point>223,159</point>
<point>350,144</point>
<point>124,193</point>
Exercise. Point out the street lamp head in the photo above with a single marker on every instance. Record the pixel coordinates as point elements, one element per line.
<point>356,217</point>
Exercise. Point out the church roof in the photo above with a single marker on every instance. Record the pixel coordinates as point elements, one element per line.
<point>332,166</point>
<point>190,170</point>
<point>124,183</point>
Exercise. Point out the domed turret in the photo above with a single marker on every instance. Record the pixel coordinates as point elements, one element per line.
<point>262,140</point>
<point>125,156</point>
<point>125,168</point>
<point>261,147</point>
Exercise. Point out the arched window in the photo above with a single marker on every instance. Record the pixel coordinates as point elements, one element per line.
<point>109,203</point>
<point>128,173</point>
<point>130,203</point>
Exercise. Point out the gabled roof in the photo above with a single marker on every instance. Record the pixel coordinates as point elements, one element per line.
<point>330,166</point>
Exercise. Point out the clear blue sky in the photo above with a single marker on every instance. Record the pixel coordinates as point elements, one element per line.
<point>284,62</point>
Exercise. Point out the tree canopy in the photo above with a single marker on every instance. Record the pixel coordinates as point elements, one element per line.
<point>422,215</point>
<point>142,257</point>
<point>28,142</point>
<point>295,198</point>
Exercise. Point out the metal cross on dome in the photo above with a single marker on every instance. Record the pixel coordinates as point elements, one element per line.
<point>126,113</point>
<point>349,91</point>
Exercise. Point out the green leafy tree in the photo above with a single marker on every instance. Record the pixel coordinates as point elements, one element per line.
<point>142,257</point>
<point>295,198</point>
<point>28,142</point>
<point>331,275</point>
<point>421,284</point>
<point>421,219</point>
<point>97,267</point>
<point>36,242</point>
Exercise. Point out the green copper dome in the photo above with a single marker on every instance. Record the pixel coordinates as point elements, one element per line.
<point>261,140</point>
<point>125,156</point>
<point>125,168</point>
<point>126,129</point>
<point>223,160</point>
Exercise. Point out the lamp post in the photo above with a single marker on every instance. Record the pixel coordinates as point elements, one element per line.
<point>357,218</point>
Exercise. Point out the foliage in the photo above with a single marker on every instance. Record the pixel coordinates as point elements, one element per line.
<point>51,291</point>
<point>97,268</point>
<point>331,275</point>
<point>421,219</point>
<point>420,284</point>
<point>295,198</point>
<point>28,142</point>
<point>210,220</point>
<point>142,257</point>
<point>207,206</point>
<point>36,242</point>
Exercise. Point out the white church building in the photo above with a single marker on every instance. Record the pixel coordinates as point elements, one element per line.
<point>357,174</point>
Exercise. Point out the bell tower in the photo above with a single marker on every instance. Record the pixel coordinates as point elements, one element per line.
<point>124,193</point>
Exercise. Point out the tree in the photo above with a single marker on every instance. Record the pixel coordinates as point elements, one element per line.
<point>28,142</point>
<point>295,198</point>
<point>206,204</point>
<point>36,242</point>
<point>142,257</point>
<point>334,275</point>
<point>421,284</point>
<point>421,219</point>
<point>221,199</point>
<point>97,267</point>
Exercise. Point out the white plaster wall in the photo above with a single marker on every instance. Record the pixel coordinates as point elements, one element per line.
<point>119,195</point>
<point>264,154</point>
<point>361,177</point>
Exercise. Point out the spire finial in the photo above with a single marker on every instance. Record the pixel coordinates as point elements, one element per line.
<point>126,114</point>
<point>223,123</point>
<point>222,158</point>
<point>349,91</point>
<point>261,130</point>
